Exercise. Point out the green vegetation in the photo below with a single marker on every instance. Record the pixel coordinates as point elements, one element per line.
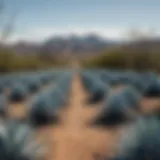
<point>10,62</point>
<point>126,58</point>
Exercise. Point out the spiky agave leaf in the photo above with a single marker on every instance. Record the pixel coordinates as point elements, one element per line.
<point>141,141</point>
<point>17,142</point>
<point>60,92</point>
<point>138,83</point>
<point>99,92</point>
<point>115,111</point>
<point>1,88</point>
<point>96,87</point>
<point>87,80</point>
<point>152,90</point>
<point>58,98</point>
<point>41,111</point>
<point>3,106</point>
<point>18,93</point>
<point>33,85</point>
<point>132,97</point>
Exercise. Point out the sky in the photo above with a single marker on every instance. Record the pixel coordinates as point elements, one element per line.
<point>38,19</point>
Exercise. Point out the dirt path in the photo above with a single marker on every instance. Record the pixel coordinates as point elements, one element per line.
<point>73,140</point>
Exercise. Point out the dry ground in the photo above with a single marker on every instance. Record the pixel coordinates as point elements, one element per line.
<point>73,139</point>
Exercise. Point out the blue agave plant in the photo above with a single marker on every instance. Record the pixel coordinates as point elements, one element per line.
<point>3,106</point>
<point>17,142</point>
<point>132,97</point>
<point>18,93</point>
<point>114,112</point>
<point>41,112</point>
<point>141,141</point>
<point>96,87</point>
<point>152,90</point>
<point>34,85</point>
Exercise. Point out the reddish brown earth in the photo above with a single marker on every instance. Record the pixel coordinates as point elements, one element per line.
<point>74,139</point>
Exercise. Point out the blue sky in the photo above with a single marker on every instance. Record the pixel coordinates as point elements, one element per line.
<point>38,19</point>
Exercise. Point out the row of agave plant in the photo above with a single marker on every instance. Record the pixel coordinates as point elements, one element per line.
<point>45,106</point>
<point>17,138</point>
<point>16,88</point>
<point>140,139</point>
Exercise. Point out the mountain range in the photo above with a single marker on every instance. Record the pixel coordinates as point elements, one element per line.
<point>60,45</point>
<point>87,45</point>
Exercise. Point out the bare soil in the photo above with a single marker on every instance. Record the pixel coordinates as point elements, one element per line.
<point>74,139</point>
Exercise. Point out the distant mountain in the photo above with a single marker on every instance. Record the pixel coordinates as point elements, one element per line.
<point>79,45</point>
<point>87,45</point>
<point>59,45</point>
<point>26,48</point>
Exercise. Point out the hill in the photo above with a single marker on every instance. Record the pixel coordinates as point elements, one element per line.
<point>60,45</point>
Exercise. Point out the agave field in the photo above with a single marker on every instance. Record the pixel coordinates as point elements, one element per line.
<point>80,114</point>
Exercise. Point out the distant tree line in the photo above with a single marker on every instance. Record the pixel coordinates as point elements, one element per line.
<point>142,52</point>
<point>123,58</point>
<point>10,62</point>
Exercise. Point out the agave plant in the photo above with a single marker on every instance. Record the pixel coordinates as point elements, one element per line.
<point>60,92</point>
<point>3,106</point>
<point>17,142</point>
<point>152,90</point>
<point>139,84</point>
<point>18,93</point>
<point>96,87</point>
<point>132,97</point>
<point>140,142</point>
<point>33,85</point>
<point>1,88</point>
<point>99,92</point>
<point>41,112</point>
<point>115,112</point>
<point>58,98</point>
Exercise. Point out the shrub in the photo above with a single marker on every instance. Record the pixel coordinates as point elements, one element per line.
<point>11,62</point>
<point>112,59</point>
<point>125,58</point>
